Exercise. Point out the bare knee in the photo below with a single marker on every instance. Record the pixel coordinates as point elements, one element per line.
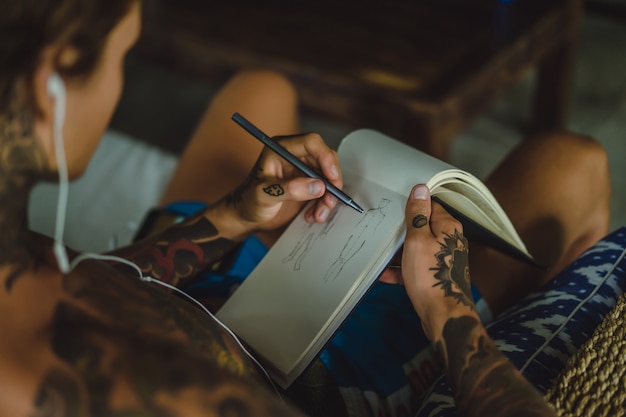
<point>583,165</point>
<point>561,179</point>
<point>579,148</point>
<point>271,87</point>
<point>267,77</point>
<point>579,158</point>
<point>220,154</point>
<point>588,162</point>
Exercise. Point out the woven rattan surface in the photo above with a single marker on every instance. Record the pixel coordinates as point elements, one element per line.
<point>593,382</point>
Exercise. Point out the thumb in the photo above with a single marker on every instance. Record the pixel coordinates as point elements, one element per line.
<point>418,209</point>
<point>304,189</point>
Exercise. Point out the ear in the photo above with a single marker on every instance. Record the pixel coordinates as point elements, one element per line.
<point>44,102</point>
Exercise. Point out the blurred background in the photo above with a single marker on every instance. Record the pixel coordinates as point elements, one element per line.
<point>161,105</point>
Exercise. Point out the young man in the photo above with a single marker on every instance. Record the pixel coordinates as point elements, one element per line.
<point>92,338</point>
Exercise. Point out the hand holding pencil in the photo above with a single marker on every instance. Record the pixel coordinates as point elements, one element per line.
<point>277,188</point>
<point>284,153</point>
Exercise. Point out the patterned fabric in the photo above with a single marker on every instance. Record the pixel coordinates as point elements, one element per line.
<point>541,333</point>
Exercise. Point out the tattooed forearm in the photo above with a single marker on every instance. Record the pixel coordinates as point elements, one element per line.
<point>484,382</point>
<point>452,270</point>
<point>182,251</point>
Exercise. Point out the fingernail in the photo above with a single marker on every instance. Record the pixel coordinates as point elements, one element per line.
<point>420,192</point>
<point>315,188</point>
<point>323,215</point>
<point>334,171</point>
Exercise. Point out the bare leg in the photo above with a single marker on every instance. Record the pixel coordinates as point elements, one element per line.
<point>556,190</point>
<point>220,154</point>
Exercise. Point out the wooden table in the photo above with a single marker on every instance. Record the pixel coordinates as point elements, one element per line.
<point>418,70</point>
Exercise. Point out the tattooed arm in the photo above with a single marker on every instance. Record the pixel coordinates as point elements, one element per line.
<point>269,198</point>
<point>436,275</point>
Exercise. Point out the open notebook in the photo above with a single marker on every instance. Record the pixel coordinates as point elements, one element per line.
<point>315,274</point>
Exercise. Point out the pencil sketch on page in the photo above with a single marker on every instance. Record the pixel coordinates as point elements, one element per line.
<point>339,251</point>
<point>310,236</point>
<point>363,230</point>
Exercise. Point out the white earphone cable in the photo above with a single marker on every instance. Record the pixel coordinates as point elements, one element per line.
<point>57,91</point>
<point>230,332</point>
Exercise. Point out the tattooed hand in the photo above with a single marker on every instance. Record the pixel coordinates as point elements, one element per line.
<point>275,191</point>
<point>435,263</point>
<point>436,276</point>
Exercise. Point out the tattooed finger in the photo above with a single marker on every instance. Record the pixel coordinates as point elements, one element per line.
<point>275,190</point>
<point>420,221</point>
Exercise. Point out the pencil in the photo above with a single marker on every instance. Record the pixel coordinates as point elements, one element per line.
<point>284,153</point>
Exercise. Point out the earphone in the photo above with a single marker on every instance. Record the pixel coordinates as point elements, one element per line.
<point>56,86</point>
<point>56,90</point>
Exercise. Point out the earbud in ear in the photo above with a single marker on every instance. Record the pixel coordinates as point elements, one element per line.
<point>56,87</point>
<point>56,90</point>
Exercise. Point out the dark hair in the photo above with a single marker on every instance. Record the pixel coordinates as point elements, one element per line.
<point>28,26</point>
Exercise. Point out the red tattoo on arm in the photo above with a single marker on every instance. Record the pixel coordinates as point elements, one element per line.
<point>181,251</point>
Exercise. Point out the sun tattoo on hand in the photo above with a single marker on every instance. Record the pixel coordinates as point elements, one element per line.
<point>452,270</point>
